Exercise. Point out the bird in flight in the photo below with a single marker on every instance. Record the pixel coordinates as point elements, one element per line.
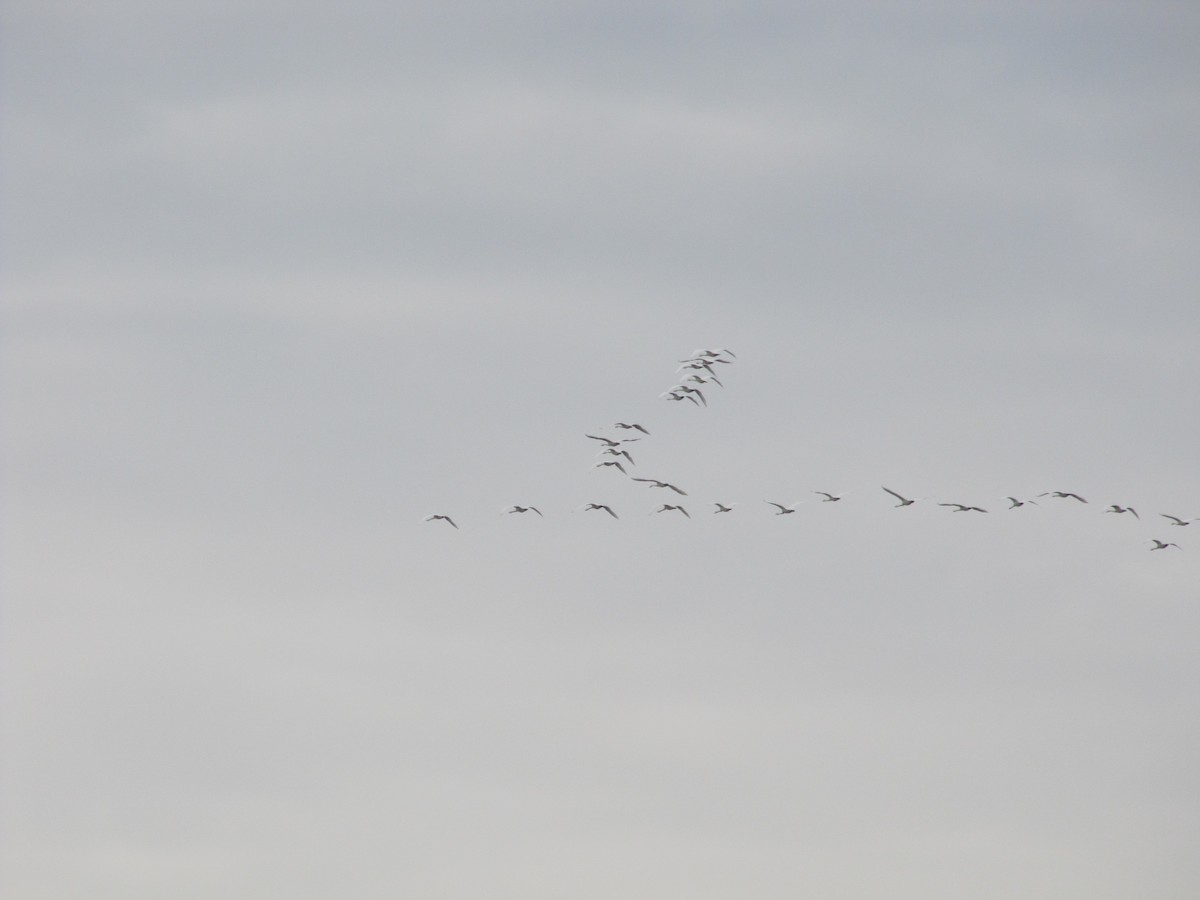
<point>430,518</point>
<point>633,425</point>
<point>1063,494</point>
<point>829,498</point>
<point>524,509</point>
<point>704,379</point>
<point>654,482</point>
<point>607,509</point>
<point>1115,508</point>
<point>668,506</point>
<point>783,510</point>
<point>676,395</point>
<point>904,501</point>
<point>1175,520</point>
<point>1014,503</point>
<point>721,507</point>
<point>1163,545</point>
<point>616,451</point>
<point>712,354</point>
<point>611,462</point>
<point>609,442</point>
<point>962,507</point>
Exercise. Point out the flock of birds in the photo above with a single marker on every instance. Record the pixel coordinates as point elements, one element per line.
<point>615,454</point>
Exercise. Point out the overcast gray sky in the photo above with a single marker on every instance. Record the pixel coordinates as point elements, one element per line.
<point>282,279</point>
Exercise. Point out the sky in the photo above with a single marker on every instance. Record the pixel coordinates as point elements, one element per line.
<point>282,280</point>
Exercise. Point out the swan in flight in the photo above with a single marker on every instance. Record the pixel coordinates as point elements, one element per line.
<point>614,451</point>
<point>1063,494</point>
<point>1162,545</point>
<point>721,507</point>
<point>654,482</point>
<point>668,506</point>
<point>1014,503</point>
<point>1123,509</point>
<point>829,498</point>
<point>607,509</point>
<point>430,518</point>
<point>712,354</point>
<point>676,395</point>
<point>904,501</point>
<point>962,507</point>
<point>611,462</point>
<point>524,509</point>
<point>704,379</point>
<point>1175,520</point>
<point>611,442</point>
<point>633,425</point>
<point>783,510</point>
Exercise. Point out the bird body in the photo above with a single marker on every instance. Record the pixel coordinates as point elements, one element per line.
<point>962,507</point>
<point>669,506</point>
<point>1175,520</point>
<point>524,509</point>
<point>654,482</point>
<point>1115,508</point>
<point>606,508</point>
<point>1163,545</point>
<point>434,516</point>
<point>1063,494</point>
<point>633,425</point>
<point>721,507</point>
<point>904,501</point>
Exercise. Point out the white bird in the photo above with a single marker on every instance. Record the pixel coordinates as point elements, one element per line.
<point>713,353</point>
<point>689,391</point>
<point>668,506</point>
<point>524,509</point>
<point>721,507</point>
<point>904,501</point>
<point>614,451</point>
<point>611,442</point>
<point>1063,494</point>
<point>1175,520</point>
<point>1123,509</point>
<point>1162,545</point>
<point>703,379</point>
<point>607,509</point>
<point>611,462</point>
<point>962,507</point>
<point>1014,503</point>
<point>699,364</point>
<point>783,510</point>
<point>430,518</point>
<point>633,425</point>
<point>654,482</point>
<point>675,395</point>
<point>829,498</point>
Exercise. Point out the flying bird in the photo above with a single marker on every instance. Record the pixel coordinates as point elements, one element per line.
<point>721,507</point>
<point>669,506</point>
<point>524,509</point>
<point>713,353</point>
<point>633,425</point>
<point>1163,545</point>
<point>610,442</point>
<point>615,451</point>
<point>829,498</point>
<point>1014,503</point>
<point>904,501</point>
<point>430,518</point>
<point>654,482</point>
<point>676,395</point>
<point>611,462</point>
<point>1063,494</point>
<point>1123,509</point>
<point>1175,520</point>
<point>783,510</point>
<point>962,507</point>
<point>607,509</point>
<point>704,379</point>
